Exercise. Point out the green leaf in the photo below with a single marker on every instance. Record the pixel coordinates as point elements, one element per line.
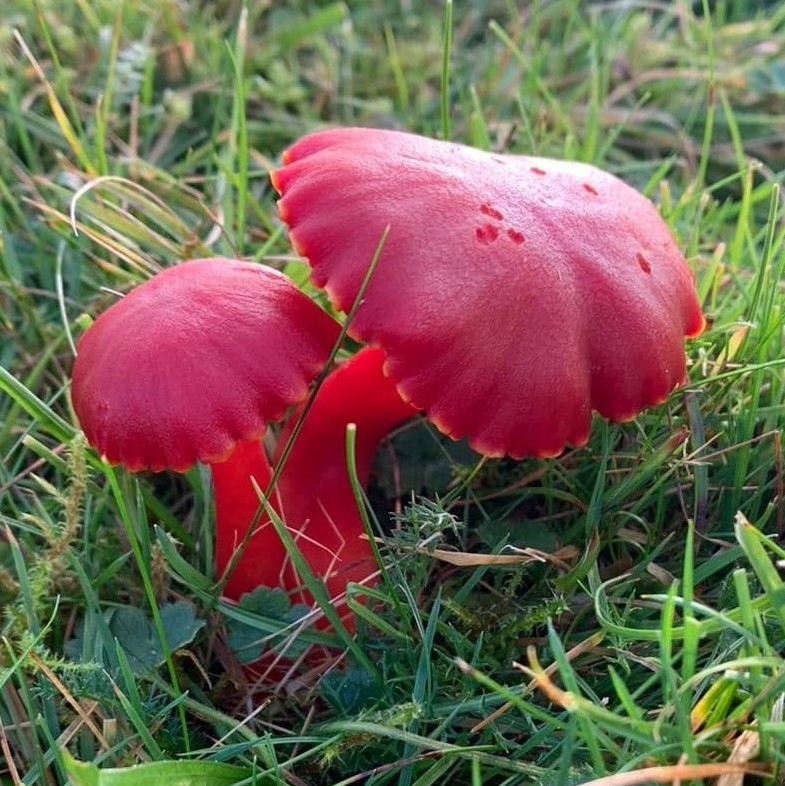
<point>136,634</point>
<point>172,773</point>
<point>248,642</point>
<point>350,691</point>
<point>180,624</point>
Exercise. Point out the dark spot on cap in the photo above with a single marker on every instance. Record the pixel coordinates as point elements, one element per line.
<point>486,234</point>
<point>590,189</point>
<point>492,212</point>
<point>516,236</point>
<point>643,263</point>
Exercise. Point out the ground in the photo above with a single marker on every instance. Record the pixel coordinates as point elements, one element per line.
<point>135,135</point>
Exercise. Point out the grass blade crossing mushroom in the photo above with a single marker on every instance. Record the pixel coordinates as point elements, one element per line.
<point>314,495</point>
<point>236,504</point>
<point>513,296</point>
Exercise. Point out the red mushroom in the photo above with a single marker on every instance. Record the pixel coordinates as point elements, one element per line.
<point>198,358</point>
<point>513,295</point>
<point>191,366</point>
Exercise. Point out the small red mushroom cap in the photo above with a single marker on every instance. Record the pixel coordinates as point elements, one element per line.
<point>199,357</point>
<point>513,294</point>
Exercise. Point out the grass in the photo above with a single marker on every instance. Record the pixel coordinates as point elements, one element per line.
<point>653,643</point>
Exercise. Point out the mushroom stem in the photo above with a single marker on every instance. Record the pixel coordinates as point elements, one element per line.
<point>236,503</point>
<point>313,494</point>
<point>313,491</point>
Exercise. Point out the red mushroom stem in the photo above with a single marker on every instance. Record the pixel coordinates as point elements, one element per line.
<point>313,493</point>
<point>236,503</point>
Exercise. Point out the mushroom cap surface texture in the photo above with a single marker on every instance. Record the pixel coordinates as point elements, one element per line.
<point>199,357</point>
<point>513,294</point>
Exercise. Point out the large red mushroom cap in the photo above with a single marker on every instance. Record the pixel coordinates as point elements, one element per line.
<point>513,294</point>
<point>196,359</point>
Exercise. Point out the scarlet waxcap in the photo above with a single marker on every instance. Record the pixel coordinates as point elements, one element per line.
<point>199,357</point>
<point>513,294</point>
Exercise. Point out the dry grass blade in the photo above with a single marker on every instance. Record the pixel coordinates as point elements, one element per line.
<point>579,649</point>
<point>58,112</point>
<point>522,557</point>
<point>8,757</point>
<point>114,246</point>
<point>746,747</point>
<point>677,772</point>
<point>84,717</point>
<point>541,679</point>
<point>462,559</point>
